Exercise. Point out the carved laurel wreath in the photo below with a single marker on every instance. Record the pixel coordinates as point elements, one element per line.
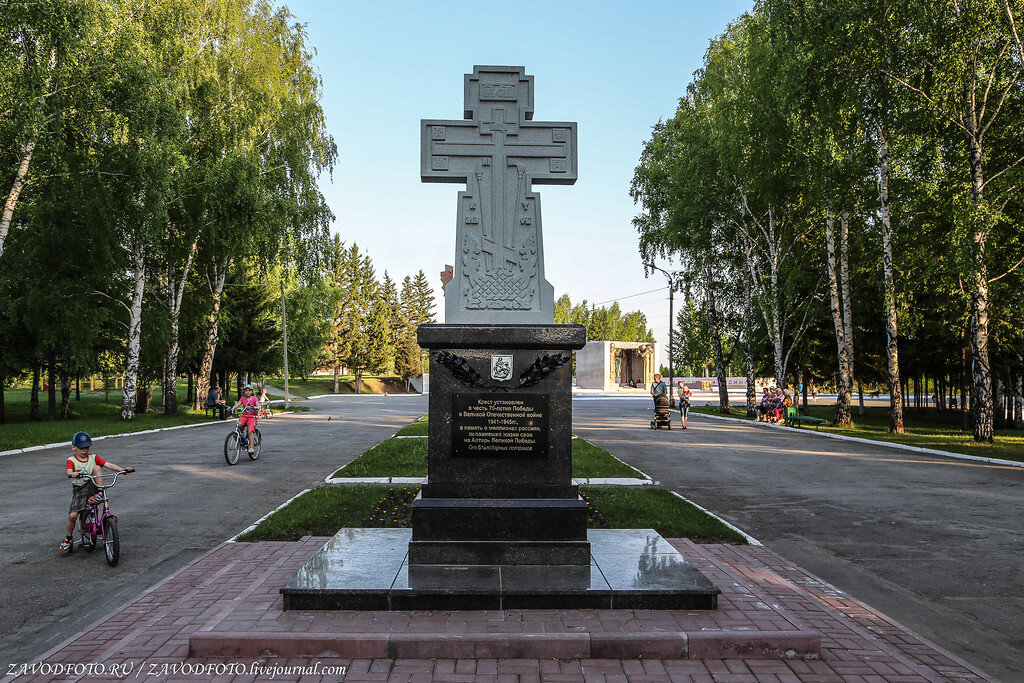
<point>467,376</point>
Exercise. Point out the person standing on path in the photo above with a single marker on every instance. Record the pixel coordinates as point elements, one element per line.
<point>658,387</point>
<point>684,403</point>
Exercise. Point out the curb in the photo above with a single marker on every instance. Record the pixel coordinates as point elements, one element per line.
<point>659,645</point>
<point>356,481</point>
<point>29,449</point>
<point>255,524</point>
<point>419,481</point>
<point>750,539</point>
<point>889,444</point>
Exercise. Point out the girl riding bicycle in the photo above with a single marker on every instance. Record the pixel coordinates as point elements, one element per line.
<point>84,491</point>
<point>250,408</point>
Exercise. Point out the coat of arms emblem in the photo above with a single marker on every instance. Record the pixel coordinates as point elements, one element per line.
<point>501,368</point>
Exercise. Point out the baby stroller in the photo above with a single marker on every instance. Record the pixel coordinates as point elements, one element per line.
<point>662,418</point>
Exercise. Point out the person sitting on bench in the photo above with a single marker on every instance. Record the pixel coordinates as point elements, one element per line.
<point>215,401</point>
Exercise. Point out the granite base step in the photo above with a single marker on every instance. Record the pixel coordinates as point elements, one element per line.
<point>373,569</point>
<point>803,644</point>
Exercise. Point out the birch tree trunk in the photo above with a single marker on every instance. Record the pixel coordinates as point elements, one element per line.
<point>20,180</point>
<point>175,290</point>
<point>748,337</point>
<point>33,401</point>
<point>51,392</point>
<point>716,341</point>
<point>1018,394</point>
<point>843,416</point>
<point>844,277</point>
<point>131,372</point>
<point>213,321</point>
<point>891,331</point>
<point>65,395</point>
<point>981,390</point>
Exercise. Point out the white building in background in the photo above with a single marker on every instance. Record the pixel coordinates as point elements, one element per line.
<point>610,365</point>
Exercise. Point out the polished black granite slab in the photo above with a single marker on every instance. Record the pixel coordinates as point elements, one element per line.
<point>369,569</point>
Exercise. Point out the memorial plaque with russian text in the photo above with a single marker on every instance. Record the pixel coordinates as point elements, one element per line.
<point>500,425</point>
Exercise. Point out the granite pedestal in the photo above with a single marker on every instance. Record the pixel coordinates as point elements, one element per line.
<point>499,458</point>
<point>369,569</point>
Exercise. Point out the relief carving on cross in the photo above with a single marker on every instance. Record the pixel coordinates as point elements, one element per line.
<point>498,151</point>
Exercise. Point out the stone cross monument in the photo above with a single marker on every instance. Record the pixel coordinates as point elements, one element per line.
<point>499,523</point>
<point>498,152</point>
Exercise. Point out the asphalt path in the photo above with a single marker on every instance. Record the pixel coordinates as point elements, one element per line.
<point>936,543</point>
<point>183,501</point>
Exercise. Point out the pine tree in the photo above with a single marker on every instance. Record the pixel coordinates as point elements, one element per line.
<point>396,325</point>
<point>423,300</point>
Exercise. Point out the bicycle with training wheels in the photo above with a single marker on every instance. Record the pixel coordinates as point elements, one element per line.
<point>99,524</point>
<point>239,439</point>
<point>265,412</point>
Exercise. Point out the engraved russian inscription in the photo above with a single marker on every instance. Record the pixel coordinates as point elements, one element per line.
<point>499,425</point>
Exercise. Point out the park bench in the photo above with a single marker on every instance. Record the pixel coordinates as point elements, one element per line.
<point>793,418</point>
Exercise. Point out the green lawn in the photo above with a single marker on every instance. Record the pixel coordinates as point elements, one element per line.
<point>408,458</point>
<point>315,386</point>
<point>417,428</point>
<point>390,458</point>
<point>319,512</point>
<point>924,429</point>
<point>324,510</point>
<point>647,507</point>
<point>95,414</point>
<point>592,461</point>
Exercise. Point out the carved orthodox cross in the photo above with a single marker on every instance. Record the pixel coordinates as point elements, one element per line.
<point>499,152</point>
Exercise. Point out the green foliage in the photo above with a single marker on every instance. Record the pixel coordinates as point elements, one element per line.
<point>607,323</point>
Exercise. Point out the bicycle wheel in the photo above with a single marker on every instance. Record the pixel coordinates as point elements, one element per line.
<point>88,542</point>
<point>257,445</point>
<point>231,448</point>
<point>269,414</point>
<point>111,542</point>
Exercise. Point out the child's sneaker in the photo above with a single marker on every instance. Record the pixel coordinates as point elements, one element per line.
<point>95,499</point>
<point>65,545</point>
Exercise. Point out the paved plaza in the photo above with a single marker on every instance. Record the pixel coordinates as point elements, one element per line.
<point>229,599</point>
<point>925,541</point>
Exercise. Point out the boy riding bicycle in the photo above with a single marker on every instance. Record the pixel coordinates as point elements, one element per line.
<point>250,408</point>
<point>84,491</point>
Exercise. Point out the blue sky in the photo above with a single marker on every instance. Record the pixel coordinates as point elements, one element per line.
<point>613,67</point>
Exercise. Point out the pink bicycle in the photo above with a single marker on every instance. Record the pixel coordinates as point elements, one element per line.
<point>98,523</point>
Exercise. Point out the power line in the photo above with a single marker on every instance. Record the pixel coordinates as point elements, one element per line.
<point>621,298</point>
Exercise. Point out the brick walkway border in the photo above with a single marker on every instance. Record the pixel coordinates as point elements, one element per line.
<point>233,589</point>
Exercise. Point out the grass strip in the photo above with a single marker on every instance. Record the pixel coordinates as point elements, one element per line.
<point>647,507</point>
<point>319,512</point>
<point>924,429</point>
<point>592,461</point>
<point>408,458</point>
<point>324,510</point>
<point>390,458</point>
<point>92,414</point>
<point>417,428</point>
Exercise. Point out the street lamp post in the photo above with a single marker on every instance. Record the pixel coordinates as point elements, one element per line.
<point>671,326</point>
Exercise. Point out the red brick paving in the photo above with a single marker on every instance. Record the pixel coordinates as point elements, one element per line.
<point>235,588</point>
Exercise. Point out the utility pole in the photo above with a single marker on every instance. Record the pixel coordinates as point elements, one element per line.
<point>671,327</point>
<point>284,339</point>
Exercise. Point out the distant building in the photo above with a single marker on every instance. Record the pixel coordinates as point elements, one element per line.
<point>609,365</point>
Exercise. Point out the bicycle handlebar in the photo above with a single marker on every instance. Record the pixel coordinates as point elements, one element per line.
<point>93,477</point>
